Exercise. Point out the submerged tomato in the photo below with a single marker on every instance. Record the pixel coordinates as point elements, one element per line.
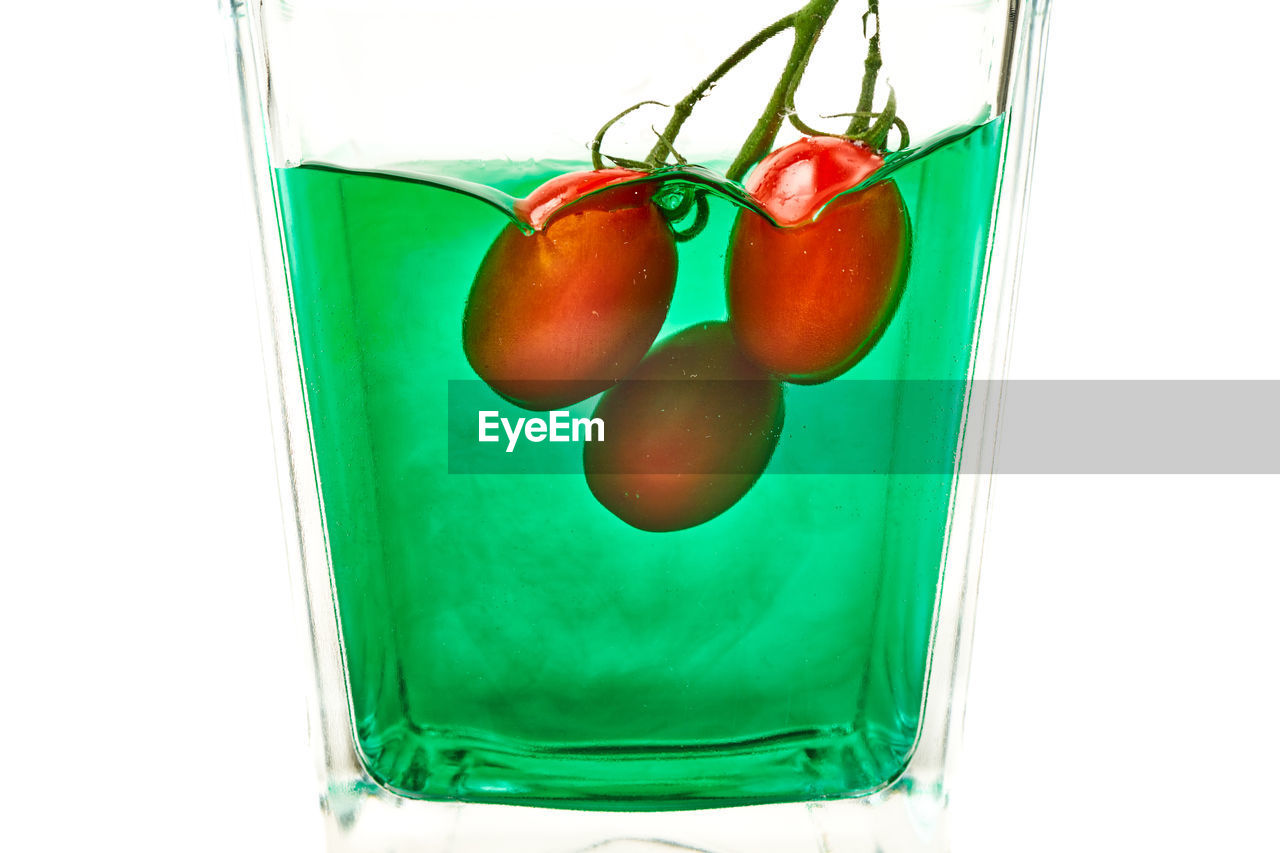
<point>808,299</point>
<point>561,314</point>
<point>687,434</point>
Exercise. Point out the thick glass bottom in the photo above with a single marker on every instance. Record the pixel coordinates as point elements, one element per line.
<point>806,765</point>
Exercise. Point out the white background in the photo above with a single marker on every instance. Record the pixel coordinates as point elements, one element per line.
<point>1124,688</point>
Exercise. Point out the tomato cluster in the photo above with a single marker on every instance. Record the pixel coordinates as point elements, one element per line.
<point>573,309</point>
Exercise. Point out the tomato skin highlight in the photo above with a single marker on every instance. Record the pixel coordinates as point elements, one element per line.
<point>809,299</point>
<point>556,316</point>
<point>687,434</point>
<point>546,201</point>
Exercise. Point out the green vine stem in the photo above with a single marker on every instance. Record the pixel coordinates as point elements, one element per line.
<point>685,108</point>
<point>663,139</point>
<point>888,117</point>
<point>878,134</point>
<point>675,204</point>
<point>597,161</point>
<point>871,68</point>
<point>702,215</point>
<point>808,24</point>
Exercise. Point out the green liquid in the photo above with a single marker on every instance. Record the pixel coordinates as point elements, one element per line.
<point>509,640</point>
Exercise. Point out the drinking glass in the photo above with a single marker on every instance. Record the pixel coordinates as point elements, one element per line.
<point>628,382</point>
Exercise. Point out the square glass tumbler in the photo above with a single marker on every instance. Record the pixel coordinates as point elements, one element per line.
<point>628,371</point>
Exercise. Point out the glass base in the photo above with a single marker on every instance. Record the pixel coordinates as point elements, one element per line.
<point>820,765</point>
<point>905,818</point>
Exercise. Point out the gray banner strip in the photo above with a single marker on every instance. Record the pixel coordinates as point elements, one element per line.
<point>1140,427</point>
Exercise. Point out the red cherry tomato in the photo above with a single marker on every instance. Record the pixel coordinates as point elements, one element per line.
<point>686,435</point>
<point>556,316</point>
<point>809,299</point>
